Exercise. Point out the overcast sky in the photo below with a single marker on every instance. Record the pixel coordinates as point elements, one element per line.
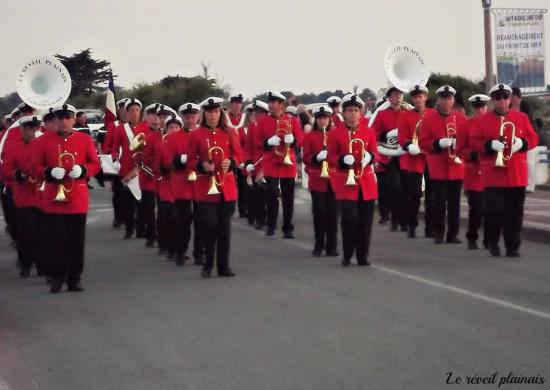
<point>251,45</point>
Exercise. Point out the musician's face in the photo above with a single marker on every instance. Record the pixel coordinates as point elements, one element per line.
<point>323,121</point>
<point>172,127</point>
<point>501,104</point>
<point>276,107</point>
<point>49,124</point>
<point>235,107</point>
<point>65,123</point>
<point>152,120</point>
<point>27,132</point>
<point>480,110</point>
<point>352,115</point>
<point>446,103</point>
<point>133,113</point>
<point>419,100</point>
<point>395,98</point>
<point>122,114</point>
<point>190,120</point>
<point>212,116</point>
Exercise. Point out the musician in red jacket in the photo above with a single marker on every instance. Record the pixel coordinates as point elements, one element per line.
<point>215,151</point>
<point>236,120</point>
<point>502,137</point>
<point>66,158</point>
<point>253,155</point>
<point>120,150</point>
<point>334,104</point>
<point>280,135</point>
<point>414,161</point>
<point>323,201</point>
<point>18,166</point>
<point>393,183</point>
<point>352,150</point>
<point>473,179</point>
<point>440,130</point>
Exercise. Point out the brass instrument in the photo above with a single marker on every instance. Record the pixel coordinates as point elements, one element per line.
<point>283,128</point>
<point>217,178</point>
<point>138,142</point>
<point>451,133</point>
<point>416,132</point>
<point>324,164</point>
<point>139,160</point>
<point>260,173</point>
<point>65,160</point>
<point>192,176</point>
<point>356,171</point>
<point>507,138</point>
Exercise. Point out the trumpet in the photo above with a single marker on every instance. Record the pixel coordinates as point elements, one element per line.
<point>356,171</point>
<point>217,178</point>
<point>451,133</point>
<point>65,159</point>
<point>283,128</point>
<point>324,164</point>
<point>507,138</point>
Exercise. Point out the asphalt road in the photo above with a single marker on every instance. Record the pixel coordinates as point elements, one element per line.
<point>287,321</point>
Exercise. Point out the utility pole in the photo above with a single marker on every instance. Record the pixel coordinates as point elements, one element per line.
<point>489,76</point>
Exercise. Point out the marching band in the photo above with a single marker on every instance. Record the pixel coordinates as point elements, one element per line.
<point>183,174</point>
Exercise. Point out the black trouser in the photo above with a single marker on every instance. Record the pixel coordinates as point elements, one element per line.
<point>446,200</point>
<point>140,220</point>
<point>198,234</point>
<point>182,225</point>
<point>257,203</point>
<point>383,195</point>
<point>325,219</point>
<point>27,238</point>
<point>129,205</point>
<point>504,212</point>
<point>241,188</point>
<point>166,226</point>
<point>475,215</point>
<point>414,194</point>
<point>66,237</point>
<point>216,224</point>
<point>272,200</point>
<point>396,187</point>
<point>356,224</point>
<point>148,210</point>
<point>428,206</point>
<point>9,209</point>
<point>118,202</point>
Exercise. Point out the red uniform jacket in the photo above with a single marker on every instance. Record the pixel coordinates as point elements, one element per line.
<point>272,162</point>
<point>9,136</point>
<point>46,157</point>
<point>406,124</point>
<point>146,182</point>
<point>18,166</point>
<point>177,144</point>
<point>386,120</point>
<point>253,147</point>
<point>107,146</point>
<point>338,147</point>
<point>200,141</point>
<point>313,144</point>
<point>120,140</point>
<point>473,179</point>
<point>336,120</point>
<point>440,165</point>
<point>485,130</point>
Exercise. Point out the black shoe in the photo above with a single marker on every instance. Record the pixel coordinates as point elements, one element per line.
<point>117,223</point>
<point>411,233</point>
<point>206,273</point>
<point>180,259</point>
<point>226,273</point>
<point>404,228</point>
<point>428,234</point>
<point>486,244</point>
<point>453,240</point>
<point>250,222</point>
<point>242,215</point>
<point>162,251</point>
<point>75,287</point>
<point>363,263</point>
<point>345,262</point>
<point>50,280</point>
<point>25,272</point>
<point>259,226</point>
<point>270,232</point>
<point>512,253</point>
<point>288,235</point>
<point>55,286</point>
<point>332,253</point>
<point>495,250</point>
<point>383,220</point>
<point>199,261</point>
<point>128,235</point>
<point>170,255</point>
<point>438,240</point>
<point>472,245</point>
<point>317,252</point>
<point>149,243</point>
<point>140,235</point>
<point>394,227</point>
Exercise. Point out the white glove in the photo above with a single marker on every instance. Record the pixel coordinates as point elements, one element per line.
<point>366,159</point>
<point>250,168</point>
<point>453,145</point>
<point>517,145</point>
<point>349,159</point>
<point>241,165</point>
<point>322,155</point>
<point>414,149</point>
<point>274,141</point>
<point>445,143</point>
<point>289,138</point>
<point>58,173</point>
<point>497,146</point>
<point>75,172</point>
<point>183,158</point>
<point>391,133</point>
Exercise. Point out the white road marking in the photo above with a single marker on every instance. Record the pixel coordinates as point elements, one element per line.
<point>429,282</point>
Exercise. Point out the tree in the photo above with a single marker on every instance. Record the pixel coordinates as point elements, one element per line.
<point>87,74</point>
